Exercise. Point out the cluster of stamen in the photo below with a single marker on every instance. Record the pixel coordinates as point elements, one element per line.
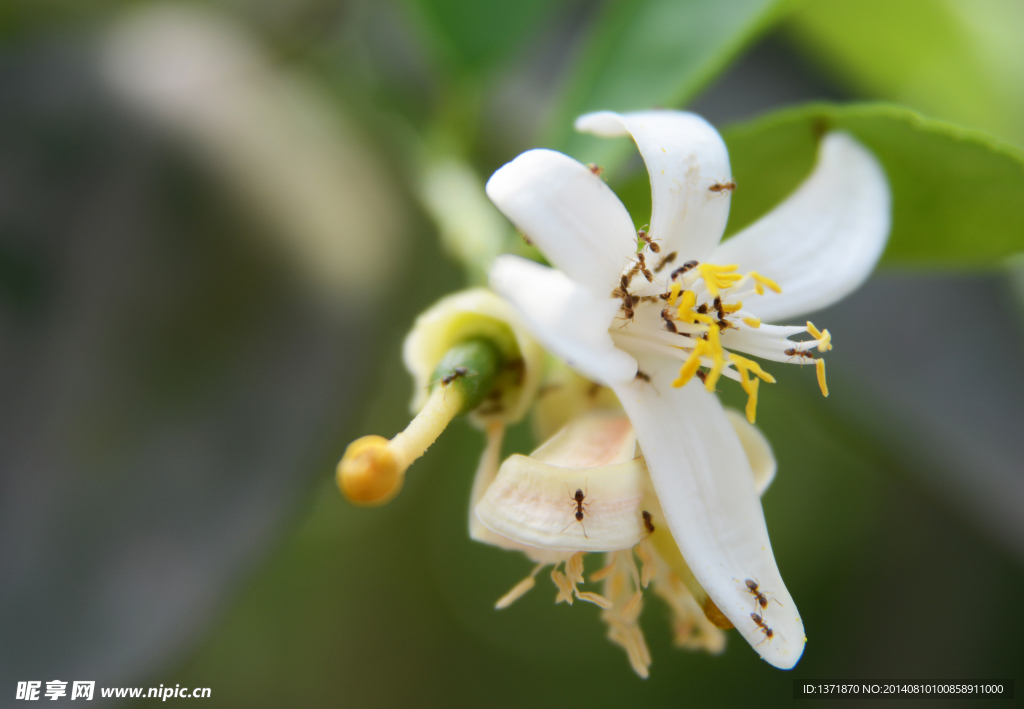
<point>565,581</point>
<point>624,585</point>
<point>701,302</point>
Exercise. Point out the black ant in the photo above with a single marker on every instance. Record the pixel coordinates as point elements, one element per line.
<point>684,268</point>
<point>718,306</point>
<point>752,589</point>
<point>457,373</point>
<point>802,354</point>
<point>768,632</point>
<point>578,501</point>
<point>664,261</point>
<point>648,522</point>
<point>641,267</point>
<point>666,315</point>
<point>646,238</point>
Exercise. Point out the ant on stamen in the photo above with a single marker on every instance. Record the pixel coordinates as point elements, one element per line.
<point>577,501</point>
<point>722,187</point>
<point>648,522</point>
<point>683,269</point>
<point>664,261</point>
<point>702,309</point>
<point>646,238</point>
<point>703,376</point>
<point>718,306</point>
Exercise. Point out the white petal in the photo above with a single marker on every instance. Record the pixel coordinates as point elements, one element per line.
<point>709,498</point>
<point>569,213</point>
<point>486,472</point>
<point>757,448</point>
<point>824,240</point>
<point>565,317</point>
<point>532,503</point>
<point>685,157</point>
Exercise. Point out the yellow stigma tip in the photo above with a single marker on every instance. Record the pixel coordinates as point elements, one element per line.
<point>370,473</point>
<point>819,366</point>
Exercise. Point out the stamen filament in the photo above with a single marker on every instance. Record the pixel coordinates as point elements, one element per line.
<point>819,366</point>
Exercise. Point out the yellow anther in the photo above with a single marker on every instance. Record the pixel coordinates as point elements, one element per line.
<point>815,332</point>
<point>674,293</point>
<point>826,342</point>
<point>819,365</point>
<point>760,283</point>
<point>751,389</point>
<point>728,308</point>
<point>714,347</point>
<point>685,311</point>
<point>745,365</point>
<point>689,368</point>
<point>718,278</point>
<point>753,322</point>
<point>702,317</point>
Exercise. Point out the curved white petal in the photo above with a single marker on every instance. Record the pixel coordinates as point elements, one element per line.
<point>565,317</point>
<point>486,472</point>
<point>532,503</point>
<point>824,240</point>
<point>569,213</point>
<point>685,158</point>
<point>757,448</point>
<point>710,501</point>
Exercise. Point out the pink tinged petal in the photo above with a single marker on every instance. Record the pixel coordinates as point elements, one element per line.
<point>685,158</point>
<point>565,317</point>
<point>824,240</point>
<point>710,500</point>
<point>569,213</point>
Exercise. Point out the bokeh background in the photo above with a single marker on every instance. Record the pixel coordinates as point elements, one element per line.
<point>218,220</point>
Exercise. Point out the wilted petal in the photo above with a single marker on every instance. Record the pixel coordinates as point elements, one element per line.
<point>824,240</point>
<point>710,501</point>
<point>565,317</point>
<point>486,472</point>
<point>685,157</point>
<point>531,501</point>
<point>569,213</point>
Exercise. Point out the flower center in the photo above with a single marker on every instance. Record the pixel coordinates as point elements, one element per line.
<point>700,317</point>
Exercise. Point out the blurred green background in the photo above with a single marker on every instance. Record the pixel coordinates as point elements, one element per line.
<point>218,220</point>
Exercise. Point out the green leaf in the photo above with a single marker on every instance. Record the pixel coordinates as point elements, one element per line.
<point>652,53</point>
<point>472,36</point>
<point>958,195</point>
<point>960,60</point>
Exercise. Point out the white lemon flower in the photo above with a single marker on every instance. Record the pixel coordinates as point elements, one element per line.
<point>645,319</point>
